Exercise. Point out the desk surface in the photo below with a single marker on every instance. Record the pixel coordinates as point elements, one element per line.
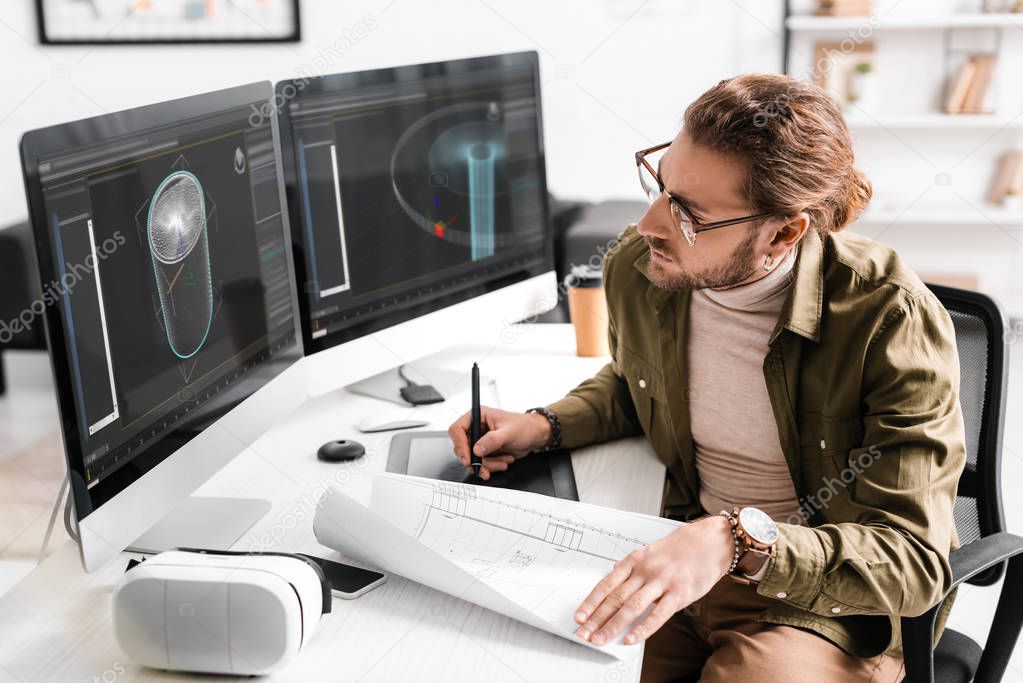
<point>56,625</point>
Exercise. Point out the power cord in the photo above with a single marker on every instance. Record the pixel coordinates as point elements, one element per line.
<point>69,526</point>
<point>408,382</point>
<point>53,519</point>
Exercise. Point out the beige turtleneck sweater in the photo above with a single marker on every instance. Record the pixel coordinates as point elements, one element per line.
<point>738,454</point>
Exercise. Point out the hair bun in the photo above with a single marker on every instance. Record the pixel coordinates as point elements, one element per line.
<point>859,192</point>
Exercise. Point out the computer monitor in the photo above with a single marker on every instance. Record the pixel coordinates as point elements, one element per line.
<point>168,297</point>
<point>411,190</point>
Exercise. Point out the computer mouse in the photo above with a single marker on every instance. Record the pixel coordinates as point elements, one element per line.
<point>340,450</point>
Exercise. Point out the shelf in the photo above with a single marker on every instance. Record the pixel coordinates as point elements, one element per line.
<point>934,120</point>
<point>807,22</point>
<point>1006,219</point>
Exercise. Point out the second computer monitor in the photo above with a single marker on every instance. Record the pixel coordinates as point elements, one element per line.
<point>411,189</point>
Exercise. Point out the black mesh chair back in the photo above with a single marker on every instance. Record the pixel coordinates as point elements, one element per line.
<point>981,340</point>
<point>986,551</point>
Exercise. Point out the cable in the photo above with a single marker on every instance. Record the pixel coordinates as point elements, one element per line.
<point>401,373</point>
<point>73,533</point>
<point>53,518</point>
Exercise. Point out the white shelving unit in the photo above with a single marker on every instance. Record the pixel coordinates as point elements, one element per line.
<point>935,121</point>
<point>902,23</point>
<point>955,217</point>
<point>941,163</point>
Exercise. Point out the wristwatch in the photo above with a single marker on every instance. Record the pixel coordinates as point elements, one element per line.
<point>756,536</point>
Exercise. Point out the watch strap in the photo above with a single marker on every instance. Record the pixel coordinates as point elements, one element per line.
<point>752,561</point>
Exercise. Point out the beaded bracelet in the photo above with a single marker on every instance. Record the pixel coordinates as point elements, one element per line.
<point>735,539</point>
<point>555,439</point>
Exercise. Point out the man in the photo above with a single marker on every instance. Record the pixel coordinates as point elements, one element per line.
<point>801,382</point>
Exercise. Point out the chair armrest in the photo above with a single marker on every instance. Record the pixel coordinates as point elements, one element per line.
<point>982,554</point>
<point>966,562</point>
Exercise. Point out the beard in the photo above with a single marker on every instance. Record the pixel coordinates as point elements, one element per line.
<point>739,267</point>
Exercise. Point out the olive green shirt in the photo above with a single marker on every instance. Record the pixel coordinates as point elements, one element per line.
<point>863,378</point>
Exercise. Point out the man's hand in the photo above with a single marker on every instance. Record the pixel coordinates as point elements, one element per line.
<point>670,574</point>
<point>507,437</point>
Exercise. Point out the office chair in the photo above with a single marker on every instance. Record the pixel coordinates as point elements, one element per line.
<point>986,551</point>
<point>19,288</point>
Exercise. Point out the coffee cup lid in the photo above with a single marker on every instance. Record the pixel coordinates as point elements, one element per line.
<point>584,277</point>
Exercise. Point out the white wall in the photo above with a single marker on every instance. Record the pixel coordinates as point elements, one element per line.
<point>617,73</point>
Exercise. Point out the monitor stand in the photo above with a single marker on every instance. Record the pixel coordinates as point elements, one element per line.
<point>202,522</point>
<point>387,385</point>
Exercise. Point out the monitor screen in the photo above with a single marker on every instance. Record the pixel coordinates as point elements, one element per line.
<point>412,188</point>
<point>166,275</point>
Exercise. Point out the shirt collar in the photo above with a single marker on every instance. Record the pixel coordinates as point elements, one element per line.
<point>801,312</point>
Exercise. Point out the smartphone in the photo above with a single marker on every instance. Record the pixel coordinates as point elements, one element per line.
<point>347,581</point>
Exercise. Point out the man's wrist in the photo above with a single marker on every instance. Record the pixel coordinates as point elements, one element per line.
<point>550,431</point>
<point>754,544</point>
<point>543,428</point>
<point>724,541</point>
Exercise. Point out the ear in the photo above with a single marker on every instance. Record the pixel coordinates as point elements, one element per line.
<point>791,230</point>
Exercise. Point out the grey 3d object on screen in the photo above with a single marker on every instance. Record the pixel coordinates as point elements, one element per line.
<point>179,245</point>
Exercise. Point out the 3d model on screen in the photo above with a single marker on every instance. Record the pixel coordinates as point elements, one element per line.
<point>179,244</point>
<point>465,159</point>
<point>481,199</point>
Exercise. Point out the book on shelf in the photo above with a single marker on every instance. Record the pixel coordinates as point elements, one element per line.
<point>1008,177</point>
<point>958,87</point>
<point>843,8</point>
<point>968,91</point>
<point>1015,188</point>
<point>1002,6</point>
<point>979,85</point>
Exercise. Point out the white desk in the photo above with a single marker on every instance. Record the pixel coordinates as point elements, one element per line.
<point>55,624</point>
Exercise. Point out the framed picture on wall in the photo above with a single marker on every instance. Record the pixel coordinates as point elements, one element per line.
<point>93,22</point>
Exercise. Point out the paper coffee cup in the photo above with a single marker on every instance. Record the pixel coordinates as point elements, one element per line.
<point>587,307</point>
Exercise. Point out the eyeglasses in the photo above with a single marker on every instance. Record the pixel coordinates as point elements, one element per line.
<point>682,217</point>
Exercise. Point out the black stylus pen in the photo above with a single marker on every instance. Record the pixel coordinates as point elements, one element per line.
<point>476,426</point>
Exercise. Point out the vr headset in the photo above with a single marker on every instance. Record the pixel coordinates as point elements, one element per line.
<point>218,611</point>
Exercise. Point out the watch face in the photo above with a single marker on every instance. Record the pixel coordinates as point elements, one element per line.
<point>758,525</point>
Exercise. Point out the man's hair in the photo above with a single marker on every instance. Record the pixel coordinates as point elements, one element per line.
<point>792,139</point>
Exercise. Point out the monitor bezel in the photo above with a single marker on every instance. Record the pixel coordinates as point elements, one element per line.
<point>326,84</point>
<point>44,142</point>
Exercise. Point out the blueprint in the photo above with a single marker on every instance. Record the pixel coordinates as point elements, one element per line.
<point>531,557</point>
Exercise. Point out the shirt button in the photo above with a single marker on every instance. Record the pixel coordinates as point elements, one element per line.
<point>783,595</point>
<point>642,384</point>
<point>836,610</point>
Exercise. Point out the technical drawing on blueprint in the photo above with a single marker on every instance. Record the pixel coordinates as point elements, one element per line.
<point>531,557</point>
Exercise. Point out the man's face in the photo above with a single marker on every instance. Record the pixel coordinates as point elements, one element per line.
<point>709,185</point>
